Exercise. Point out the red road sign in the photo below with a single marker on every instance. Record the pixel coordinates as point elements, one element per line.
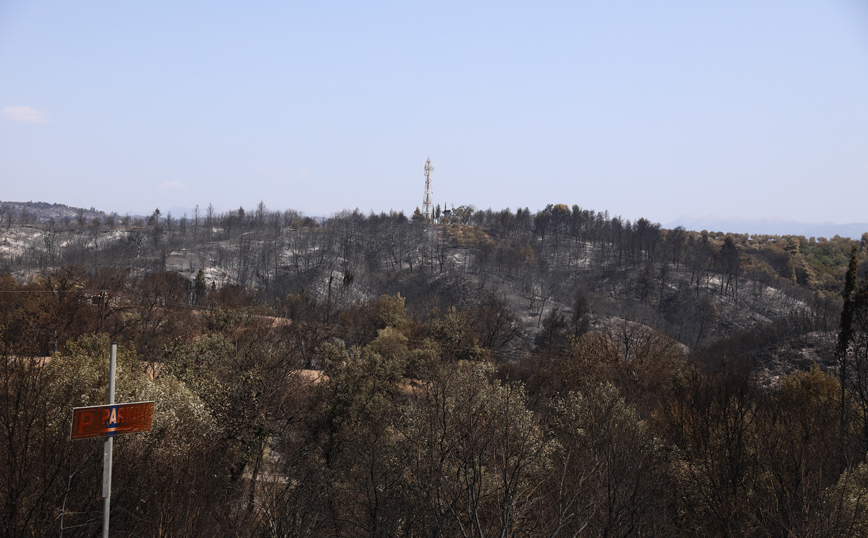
<point>106,420</point>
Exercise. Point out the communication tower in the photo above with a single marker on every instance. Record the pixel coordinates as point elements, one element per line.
<point>426,202</point>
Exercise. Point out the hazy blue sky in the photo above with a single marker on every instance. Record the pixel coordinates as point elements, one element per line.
<point>656,109</point>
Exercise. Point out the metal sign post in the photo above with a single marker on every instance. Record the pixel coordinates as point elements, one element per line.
<point>107,451</point>
<point>108,421</point>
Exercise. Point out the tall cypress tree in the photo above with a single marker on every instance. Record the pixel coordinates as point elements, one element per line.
<point>845,336</point>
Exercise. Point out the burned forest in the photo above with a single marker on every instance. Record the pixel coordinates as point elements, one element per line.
<point>555,373</point>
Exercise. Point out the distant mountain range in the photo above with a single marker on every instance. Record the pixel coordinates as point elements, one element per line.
<point>769,226</point>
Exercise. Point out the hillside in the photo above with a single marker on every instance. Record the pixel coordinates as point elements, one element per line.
<point>377,375</point>
<point>42,212</point>
<point>704,290</point>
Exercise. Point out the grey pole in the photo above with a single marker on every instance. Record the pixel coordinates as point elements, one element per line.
<point>107,452</point>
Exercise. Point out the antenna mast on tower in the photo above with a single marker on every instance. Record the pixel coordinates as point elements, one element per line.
<point>426,202</point>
